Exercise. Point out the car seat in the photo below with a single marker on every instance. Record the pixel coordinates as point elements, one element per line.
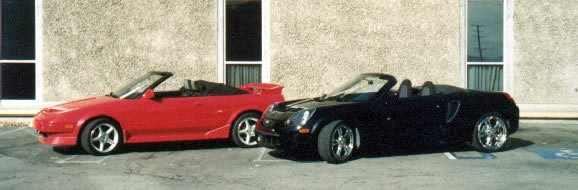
<point>188,89</point>
<point>427,89</point>
<point>405,89</point>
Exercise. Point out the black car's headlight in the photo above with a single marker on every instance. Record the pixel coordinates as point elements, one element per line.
<point>270,108</point>
<point>301,117</point>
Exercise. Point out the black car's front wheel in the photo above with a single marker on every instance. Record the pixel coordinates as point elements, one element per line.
<point>243,130</point>
<point>490,133</point>
<point>101,136</point>
<point>336,142</point>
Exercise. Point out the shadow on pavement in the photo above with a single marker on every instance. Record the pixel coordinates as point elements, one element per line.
<point>406,149</point>
<point>154,147</point>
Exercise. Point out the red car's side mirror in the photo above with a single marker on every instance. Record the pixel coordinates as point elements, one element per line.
<point>149,94</point>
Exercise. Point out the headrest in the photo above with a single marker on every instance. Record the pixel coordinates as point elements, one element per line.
<point>405,89</point>
<point>189,85</point>
<point>427,89</point>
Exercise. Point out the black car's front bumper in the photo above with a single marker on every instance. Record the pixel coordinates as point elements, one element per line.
<point>282,136</point>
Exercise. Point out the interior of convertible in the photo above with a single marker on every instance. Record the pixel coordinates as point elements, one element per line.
<point>427,89</point>
<point>200,88</point>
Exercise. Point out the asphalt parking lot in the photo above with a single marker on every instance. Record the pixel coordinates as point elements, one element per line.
<point>539,156</point>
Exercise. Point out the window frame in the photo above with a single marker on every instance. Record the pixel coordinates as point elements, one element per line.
<point>265,43</point>
<point>507,67</point>
<point>37,60</point>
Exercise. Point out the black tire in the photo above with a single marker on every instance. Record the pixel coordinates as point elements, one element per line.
<point>247,139</point>
<point>490,133</point>
<point>93,141</point>
<point>328,146</point>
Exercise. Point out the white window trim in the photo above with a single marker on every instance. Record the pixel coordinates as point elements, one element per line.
<point>507,65</point>
<point>39,96</point>
<point>265,43</point>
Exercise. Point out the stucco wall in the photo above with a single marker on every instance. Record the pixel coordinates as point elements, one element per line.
<point>92,47</point>
<point>318,45</point>
<point>545,52</point>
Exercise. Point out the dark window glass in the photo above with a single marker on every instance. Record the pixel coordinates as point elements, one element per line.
<point>243,31</point>
<point>485,30</point>
<point>17,81</point>
<point>485,77</point>
<point>17,29</point>
<point>243,74</point>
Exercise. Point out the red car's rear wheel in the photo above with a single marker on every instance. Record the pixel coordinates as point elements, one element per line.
<point>243,130</point>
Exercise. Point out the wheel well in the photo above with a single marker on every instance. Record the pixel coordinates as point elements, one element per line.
<point>95,118</point>
<point>244,112</point>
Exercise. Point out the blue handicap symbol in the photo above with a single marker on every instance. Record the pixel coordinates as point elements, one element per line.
<point>556,153</point>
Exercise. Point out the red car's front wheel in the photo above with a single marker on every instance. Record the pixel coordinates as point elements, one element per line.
<point>101,137</point>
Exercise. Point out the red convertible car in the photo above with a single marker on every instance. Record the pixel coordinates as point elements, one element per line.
<point>137,113</point>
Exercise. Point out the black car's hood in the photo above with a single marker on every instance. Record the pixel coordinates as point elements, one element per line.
<point>311,103</point>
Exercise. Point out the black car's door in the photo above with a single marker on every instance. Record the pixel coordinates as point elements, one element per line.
<point>413,118</point>
<point>398,119</point>
<point>429,111</point>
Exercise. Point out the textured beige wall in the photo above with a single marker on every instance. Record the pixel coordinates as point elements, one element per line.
<point>92,47</point>
<point>545,52</point>
<point>318,45</point>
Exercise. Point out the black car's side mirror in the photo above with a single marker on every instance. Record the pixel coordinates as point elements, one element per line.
<point>149,94</point>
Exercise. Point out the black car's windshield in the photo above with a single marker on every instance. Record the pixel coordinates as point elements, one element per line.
<point>138,86</point>
<point>362,88</point>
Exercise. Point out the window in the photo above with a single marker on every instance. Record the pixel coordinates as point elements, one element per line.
<point>17,50</point>
<point>243,54</point>
<point>485,45</point>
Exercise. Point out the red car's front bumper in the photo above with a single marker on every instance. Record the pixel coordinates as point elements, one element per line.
<point>57,138</point>
<point>52,132</point>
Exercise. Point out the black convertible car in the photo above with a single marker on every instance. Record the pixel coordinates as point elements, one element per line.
<point>366,110</point>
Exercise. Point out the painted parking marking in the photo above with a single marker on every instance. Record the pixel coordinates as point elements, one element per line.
<point>468,155</point>
<point>263,153</point>
<point>12,131</point>
<point>556,153</point>
<point>76,159</point>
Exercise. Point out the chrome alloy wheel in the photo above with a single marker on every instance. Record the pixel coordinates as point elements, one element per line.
<point>342,142</point>
<point>492,132</point>
<point>104,138</point>
<point>246,130</point>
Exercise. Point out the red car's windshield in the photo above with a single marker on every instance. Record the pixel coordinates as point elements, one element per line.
<point>139,86</point>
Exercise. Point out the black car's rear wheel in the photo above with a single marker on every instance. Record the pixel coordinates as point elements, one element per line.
<point>336,142</point>
<point>243,130</point>
<point>101,136</point>
<point>490,133</point>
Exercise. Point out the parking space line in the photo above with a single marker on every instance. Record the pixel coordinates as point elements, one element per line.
<point>70,161</point>
<point>262,153</point>
<point>11,131</point>
<point>260,158</point>
<point>483,155</point>
<point>64,160</point>
<point>31,133</point>
<point>450,156</point>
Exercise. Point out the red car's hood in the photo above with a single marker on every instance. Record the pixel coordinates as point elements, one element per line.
<point>82,103</point>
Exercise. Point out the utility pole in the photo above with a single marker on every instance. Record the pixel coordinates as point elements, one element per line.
<point>479,42</point>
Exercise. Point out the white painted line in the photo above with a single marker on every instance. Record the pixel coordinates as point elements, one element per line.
<point>260,159</point>
<point>261,156</point>
<point>450,156</point>
<point>11,131</point>
<point>31,133</point>
<point>64,161</point>
<point>67,161</point>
